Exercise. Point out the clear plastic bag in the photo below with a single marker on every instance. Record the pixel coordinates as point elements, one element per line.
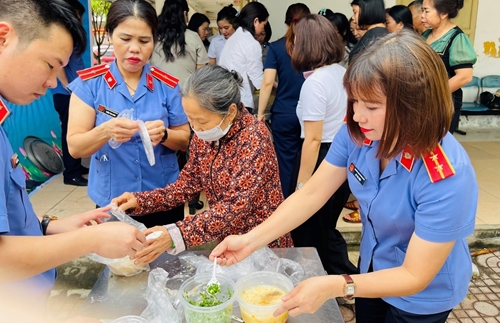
<point>162,304</point>
<point>128,114</point>
<point>261,260</point>
<point>122,266</point>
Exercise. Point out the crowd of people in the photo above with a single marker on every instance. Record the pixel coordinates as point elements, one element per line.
<point>348,116</point>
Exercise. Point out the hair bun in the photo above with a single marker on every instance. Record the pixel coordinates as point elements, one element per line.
<point>460,4</point>
<point>237,77</point>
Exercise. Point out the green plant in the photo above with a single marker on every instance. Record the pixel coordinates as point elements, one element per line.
<point>100,10</point>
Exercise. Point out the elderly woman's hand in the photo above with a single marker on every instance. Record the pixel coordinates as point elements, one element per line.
<point>156,130</point>
<point>154,247</point>
<point>121,129</point>
<point>125,201</point>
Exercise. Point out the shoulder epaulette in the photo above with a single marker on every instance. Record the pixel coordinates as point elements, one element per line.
<point>437,164</point>
<point>407,158</point>
<point>164,77</point>
<point>4,111</point>
<point>92,72</point>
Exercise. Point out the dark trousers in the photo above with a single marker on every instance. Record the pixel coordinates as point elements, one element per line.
<point>287,143</point>
<point>160,218</point>
<point>71,165</point>
<point>376,310</point>
<point>320,231</point>
<point>457,105</point>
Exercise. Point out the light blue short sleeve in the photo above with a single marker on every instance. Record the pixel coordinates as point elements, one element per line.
<point>176,115</point>
<point>446,210</point>
<point>82,90</point>
<point>338,153</point>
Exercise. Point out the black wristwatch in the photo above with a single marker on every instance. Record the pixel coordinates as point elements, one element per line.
<point>45,222</point>
<point>165,136</point>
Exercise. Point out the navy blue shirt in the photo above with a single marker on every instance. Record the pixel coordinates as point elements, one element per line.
<point>289,80</point>
<point>75,64</point>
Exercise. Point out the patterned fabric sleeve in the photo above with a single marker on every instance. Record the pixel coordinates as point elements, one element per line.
<point>185,188</point>
<point>233,211</point>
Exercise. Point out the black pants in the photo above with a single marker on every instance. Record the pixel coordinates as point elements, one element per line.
<point>320,231</point>
<point>161,218</point>
<point>71,165</point>
<point>287,143</point>
<point>457,105</point>
<point>376,310</point>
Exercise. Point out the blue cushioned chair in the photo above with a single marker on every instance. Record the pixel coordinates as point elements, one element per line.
<point>471,91</point>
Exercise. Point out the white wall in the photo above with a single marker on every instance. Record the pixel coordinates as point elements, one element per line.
<point>487,30</point>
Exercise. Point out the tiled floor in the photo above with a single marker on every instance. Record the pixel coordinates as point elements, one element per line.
<point>482,304</point>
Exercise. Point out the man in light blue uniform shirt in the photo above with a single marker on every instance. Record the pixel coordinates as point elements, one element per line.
<point>36,40</point>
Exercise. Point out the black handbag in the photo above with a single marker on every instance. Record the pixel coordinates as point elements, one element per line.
<point>490,100</point>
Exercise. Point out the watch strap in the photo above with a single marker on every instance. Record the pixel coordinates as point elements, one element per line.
<point>45,222</point>
<point>349,287</point>
<point>165,136</point>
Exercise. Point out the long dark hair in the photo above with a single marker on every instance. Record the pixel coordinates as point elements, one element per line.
<point>196,20</point>
<point>293,14</point>
<point>248,14</point>
<point>341,22</point>
<point>171,28</point>
<point>401,14</point>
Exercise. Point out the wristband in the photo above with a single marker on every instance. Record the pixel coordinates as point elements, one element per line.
<point>45,222</point>
<point>165,136</point>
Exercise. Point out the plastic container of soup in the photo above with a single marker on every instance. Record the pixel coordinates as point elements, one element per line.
<point>259,295</point>
<point>202,307</point>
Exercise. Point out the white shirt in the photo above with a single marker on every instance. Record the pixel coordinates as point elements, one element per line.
<point>323,98</point>
<point>216,45</point>
<point>243,54</point>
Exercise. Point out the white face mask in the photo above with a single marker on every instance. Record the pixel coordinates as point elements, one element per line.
<point>213,134</point>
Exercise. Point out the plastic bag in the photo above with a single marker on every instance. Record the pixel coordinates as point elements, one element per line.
<point>162,305</point>
<point>122,266</point>
<point>263,259</point>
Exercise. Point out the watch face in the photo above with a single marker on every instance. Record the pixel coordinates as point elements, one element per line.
<point>350,290</point>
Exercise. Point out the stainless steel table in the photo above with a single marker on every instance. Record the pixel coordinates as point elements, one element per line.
<point>113,297</point>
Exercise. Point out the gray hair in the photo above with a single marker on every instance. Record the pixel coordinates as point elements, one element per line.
<point>215,88</point>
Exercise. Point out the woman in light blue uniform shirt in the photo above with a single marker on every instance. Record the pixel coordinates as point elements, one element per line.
<point>102,92</point>
<point>408,173</point>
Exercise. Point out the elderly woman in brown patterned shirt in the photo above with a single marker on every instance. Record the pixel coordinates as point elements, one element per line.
<point>232,160</point>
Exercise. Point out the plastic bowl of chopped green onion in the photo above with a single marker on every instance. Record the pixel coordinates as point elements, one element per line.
<point>202,306</point>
